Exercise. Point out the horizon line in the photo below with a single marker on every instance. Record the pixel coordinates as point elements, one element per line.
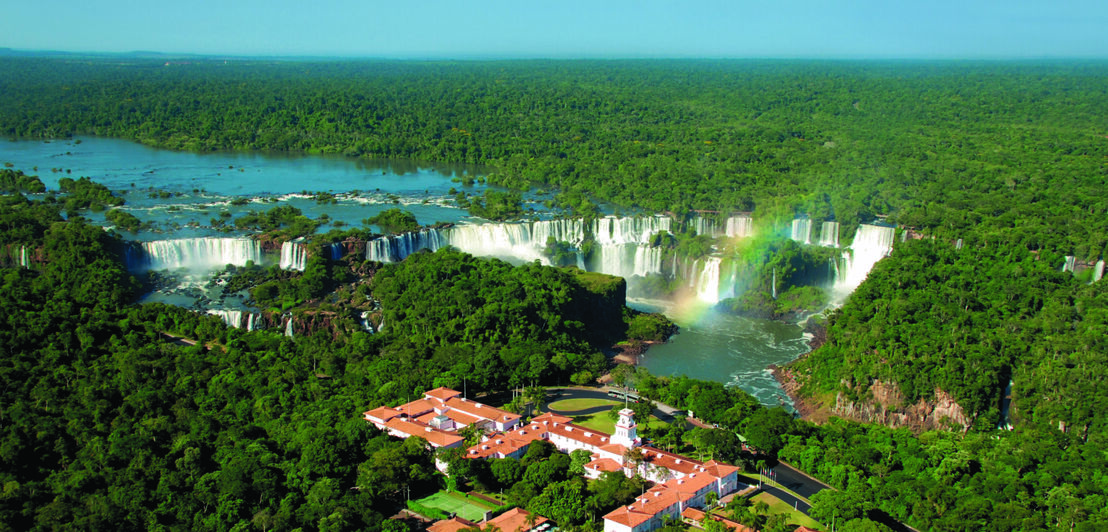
<point>10,51</point>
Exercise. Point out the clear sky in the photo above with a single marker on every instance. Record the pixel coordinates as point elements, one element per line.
<point>566,28</point>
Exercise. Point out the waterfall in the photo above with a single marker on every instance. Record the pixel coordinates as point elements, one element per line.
<point>621,246</point>
<point>829,235</point>
<point>621,243</point>
<point>288,326</point>
<point>365,322</point>
<point>1005,408</point>
<point>526,241</point>
<point>238,319</point>
<point>337,250</point>
<point>613,230</point>
<point>741,226</point>
<point>727,284</point>
<point>773,286</point>
<point>294,255</point>
<point>707,283</point>
<point>23,261</point>
<point>958,244</point>
<point>871,244</point>
<point>705,226</point>
<point>498,240</point>
<point>196,253</point>
<point>628,260</point>
<point>572,231</point>
<point>1098,270</point>
<point>396,248</point>
<point>802,230</point>
<point>1070,261</point>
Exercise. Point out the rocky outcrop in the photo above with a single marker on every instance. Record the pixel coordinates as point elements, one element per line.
<point>885,404</point>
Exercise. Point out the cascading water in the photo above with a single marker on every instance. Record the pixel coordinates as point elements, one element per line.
<point>366,323</point>
<point>1070,263</point>
<point>871,244</point>
<point>705,226</point>
<point>802,230</point>
<point>1098,270</point>
<point>621,246</point>
<point>741,226</point>
<point>829,235</point>
<point>195,253</point>
<point>707,281</point>
<point>288,325</point>
<point>294,255</point>
<point>396,248</point>
<point>613,230</point>
<point>1005,408</point>
<point>23,257</point>
<point>238,319</point>
<point>773,285</point>
<point>499,240</point>
<point>336,251</point>
<point>629,260</point>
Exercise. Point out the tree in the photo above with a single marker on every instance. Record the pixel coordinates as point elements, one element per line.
<point>535,395</point>
<point>564,502</point>
<point>766,428</point>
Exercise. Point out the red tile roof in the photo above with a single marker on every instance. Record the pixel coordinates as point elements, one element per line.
<point>652,503</point>
<point>551,417</point>
<point>442,394</point>
<point>720,469</point>
<point>505,444</point>
<point>604,464</point>
<point>693,513</point>
<point>515,520</point>
<point>686,487</point>
<point>629,516</point>
<point>461,418</point>
<point>482,411</point>
<point>450,525</point>
<point>436,437</point>
<point>674,462</point>
<point>739,527</point>
<point>382,413</point>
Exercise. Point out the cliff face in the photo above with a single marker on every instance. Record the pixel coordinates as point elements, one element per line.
<point>885,405</point>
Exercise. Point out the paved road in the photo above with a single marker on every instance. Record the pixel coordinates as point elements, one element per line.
<point>795,480</point>
<point>785,496</point>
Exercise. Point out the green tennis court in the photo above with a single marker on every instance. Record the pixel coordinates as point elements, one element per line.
<point>471,508</point>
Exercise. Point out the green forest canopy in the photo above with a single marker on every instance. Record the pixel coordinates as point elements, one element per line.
<point>1009,157</point>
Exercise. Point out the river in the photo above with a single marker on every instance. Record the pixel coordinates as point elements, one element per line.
<point>181,193</point>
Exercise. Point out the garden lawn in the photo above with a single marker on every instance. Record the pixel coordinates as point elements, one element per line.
<point>600,422</point>
<point>573,405</point>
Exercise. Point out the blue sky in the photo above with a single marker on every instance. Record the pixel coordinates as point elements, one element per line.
<point>568,28</point>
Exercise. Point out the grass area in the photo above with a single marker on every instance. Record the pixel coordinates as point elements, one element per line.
<point>600,422</point>
<point>470,508</point>
<point>777,506</point>
<point>572,405</point>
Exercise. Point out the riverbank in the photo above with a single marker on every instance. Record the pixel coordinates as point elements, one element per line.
<point>809,408</point>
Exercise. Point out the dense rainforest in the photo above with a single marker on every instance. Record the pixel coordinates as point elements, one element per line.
<point>997,171</point>
<point>154,417</point>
